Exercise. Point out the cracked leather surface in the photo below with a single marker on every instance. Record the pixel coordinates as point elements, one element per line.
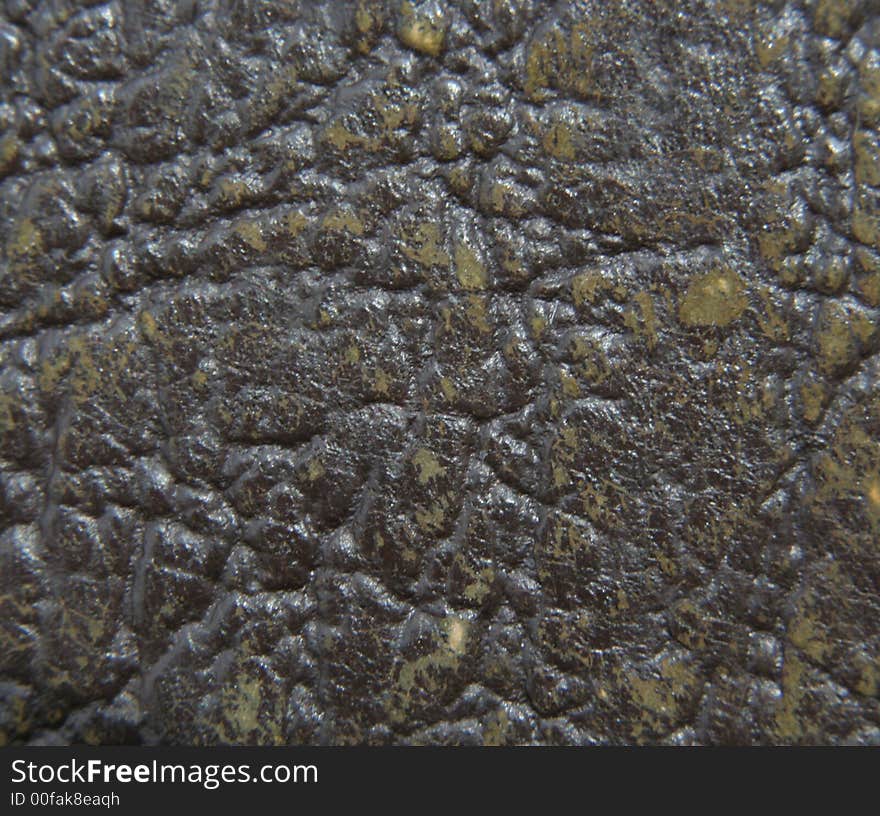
<point>452,373</point>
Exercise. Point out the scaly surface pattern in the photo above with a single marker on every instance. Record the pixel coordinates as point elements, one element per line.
<point>452,372</point>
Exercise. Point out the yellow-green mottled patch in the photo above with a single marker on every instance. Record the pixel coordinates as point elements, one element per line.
<point>714,299</point>
<point>866,225</point>
<point>831,17</point>
<point>424,245</point>
<point>814,399</point>
<point>9,148</point>
<point>250,714</point>
<point>837,349</point>
<point>420,32</point>
<point>450,392</point>
<point>869,99</point>
<point>642,320</point>
<point>866,149</point>
<point>25,241</point>
<point>343,221</point>
<point>590,287</point>
<point>868,265</point>
<point>558,141</point>
<point>252,234</point>
<point>341,138</point>
<point>469,270</point>
<point>428,466</point>
<point>496,729</point>
<point>560,60</point>
<point>426,678</point>
<point>769,48</point>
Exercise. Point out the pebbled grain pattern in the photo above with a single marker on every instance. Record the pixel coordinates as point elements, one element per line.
<point>453,372</point>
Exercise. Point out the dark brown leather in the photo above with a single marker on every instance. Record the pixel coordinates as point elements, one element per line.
<point>453,372</point>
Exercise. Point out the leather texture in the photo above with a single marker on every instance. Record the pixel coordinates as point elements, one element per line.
<point>462,373</point>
